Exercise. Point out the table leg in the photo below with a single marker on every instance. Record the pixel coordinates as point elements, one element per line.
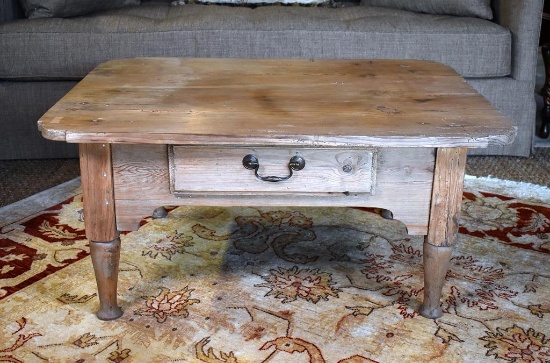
<point>544,130</point>
<point>100,224</point>
<point>443,225</point>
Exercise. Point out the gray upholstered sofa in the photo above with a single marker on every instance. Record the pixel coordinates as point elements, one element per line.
<point>41,59</point>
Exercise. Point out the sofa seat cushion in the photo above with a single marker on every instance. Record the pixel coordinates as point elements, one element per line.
<point>54,49</point>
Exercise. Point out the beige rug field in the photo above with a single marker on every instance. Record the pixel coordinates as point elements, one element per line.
<point>210,284</point>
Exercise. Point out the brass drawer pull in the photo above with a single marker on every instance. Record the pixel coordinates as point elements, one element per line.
<point>251,162</point>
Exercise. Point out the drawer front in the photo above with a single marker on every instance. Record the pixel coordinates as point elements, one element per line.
<point>201,169</point>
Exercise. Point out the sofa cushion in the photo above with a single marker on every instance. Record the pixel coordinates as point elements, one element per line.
<point>477,8</point>
<point>69,48</point>
<point>63,8</point>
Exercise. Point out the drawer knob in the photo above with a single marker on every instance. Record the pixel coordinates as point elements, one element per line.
<point>251,162</point>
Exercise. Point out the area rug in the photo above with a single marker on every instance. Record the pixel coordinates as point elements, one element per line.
<point>209,284</point>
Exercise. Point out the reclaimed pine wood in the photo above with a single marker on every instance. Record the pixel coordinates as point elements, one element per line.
<point>100,224</point>
<point>446,203</point>
<point>202,169</point>
<point>446,196</point>
<point>97,192</point>
<point>436,263</point>
<point>397,169</point>
<point>173,131</point>
<point>294,102</point>
<point>105,259</point>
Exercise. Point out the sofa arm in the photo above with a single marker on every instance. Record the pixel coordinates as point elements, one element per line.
<point>523,19</point>
<point>10,10</point>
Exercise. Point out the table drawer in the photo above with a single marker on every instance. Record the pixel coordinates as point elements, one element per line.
<point>221,169</point>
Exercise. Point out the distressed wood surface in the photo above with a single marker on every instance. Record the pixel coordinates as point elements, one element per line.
<point>404,125</point>
<point>403,184</point>
<point>446,202</point>
<point>203,169</point>
<point>97,192</point>
<point>340,103</point>
<point>105,259</point>
<point>446,198</point>
<point>100,224</point>
<point>436,264</point>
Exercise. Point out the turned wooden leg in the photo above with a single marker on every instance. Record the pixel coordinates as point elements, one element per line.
<point>443,225</point>
<point>100,224</point>
<point>436,263</point>
<point>105,258</point>
<point>544,130</point>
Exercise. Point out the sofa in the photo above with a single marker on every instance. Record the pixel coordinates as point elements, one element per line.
<point>42,58</point>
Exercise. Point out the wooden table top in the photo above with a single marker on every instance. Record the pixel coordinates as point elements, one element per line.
<point>251,102</point>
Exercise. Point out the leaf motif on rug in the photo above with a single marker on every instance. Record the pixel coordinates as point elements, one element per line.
<point>517,344</point>
<point>10,345</point>
<point>308,284</point>
<point>56,231</point>
<point>39,246</point>
<point>506,220</point>
<point>168,246</point>
<point>167,303</point>
<point>540,309</point>
<point>75,299</point>
<point>210,356</point>
<point>487,214</point>
<point>15,258</point>
<point>59,224</point>
<point>86,340</point>
<point>236,285</point>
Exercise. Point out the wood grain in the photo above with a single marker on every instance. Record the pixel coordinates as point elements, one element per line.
<point>173,131</point>
<point>436,264</point>
<point>403,184</point>
<point>447,196</point>
<point>97,192</point>
<point>106,259</point>
<point>209,169</point>
<point>332,103</point>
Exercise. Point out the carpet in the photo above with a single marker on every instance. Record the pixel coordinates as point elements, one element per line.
<point>209,284</point>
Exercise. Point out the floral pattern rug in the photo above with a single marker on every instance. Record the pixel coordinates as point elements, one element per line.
<point>236,285</point>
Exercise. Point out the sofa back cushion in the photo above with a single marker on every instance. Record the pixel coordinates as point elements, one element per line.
<point>63,8</point>
<point>475,8</point>
<point>70,48</point>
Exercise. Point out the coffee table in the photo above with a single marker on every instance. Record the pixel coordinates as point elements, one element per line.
<point>391,134</point>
